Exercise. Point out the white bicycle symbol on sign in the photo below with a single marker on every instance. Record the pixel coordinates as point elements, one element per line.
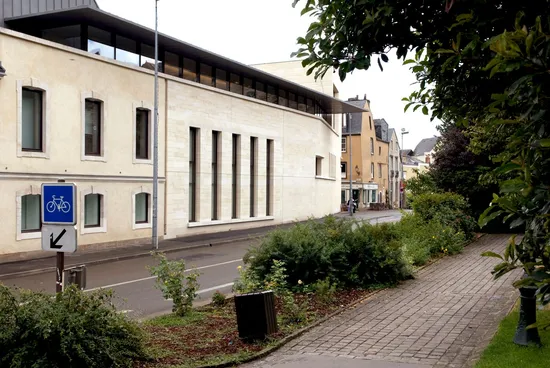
<point>58,204</point>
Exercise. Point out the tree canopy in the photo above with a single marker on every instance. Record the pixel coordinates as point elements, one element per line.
<point>483,65</point>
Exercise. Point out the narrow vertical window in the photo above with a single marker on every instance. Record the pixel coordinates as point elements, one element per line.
<point>372,146</point>
<point>142,134</point>
<point>92,210</point>
<point>30,213</point>
<point>32,120</point>
<point>142,208</point>
<point>215,172</point>
<point>92,138</point>
<point>253,163</point>
<point>235,172</point>
<point>269,178</point>
<point>193,138</point>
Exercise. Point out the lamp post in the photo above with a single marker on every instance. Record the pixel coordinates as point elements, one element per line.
<point>155,140</point>
<point>403,132</point>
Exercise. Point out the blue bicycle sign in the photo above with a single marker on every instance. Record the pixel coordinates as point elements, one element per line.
<point>58,203</point>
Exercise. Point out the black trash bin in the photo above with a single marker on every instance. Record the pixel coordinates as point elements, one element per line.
<point>256,317</point>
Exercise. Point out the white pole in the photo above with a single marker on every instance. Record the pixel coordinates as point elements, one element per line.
<point>155,139</point>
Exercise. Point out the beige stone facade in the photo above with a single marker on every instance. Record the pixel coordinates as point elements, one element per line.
<point>303,180</point>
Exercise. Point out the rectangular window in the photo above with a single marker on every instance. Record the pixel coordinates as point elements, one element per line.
<point>260,91</point>
<point>248,85</point>
<point>272,94</point>
<point>92,139</point>
<point>253,178</point>
<point>292,101</point>
<point>344,170</point>
<point>193,142</point>
<point>147,58</point>
<point>283,97</point>
<point>236,86</point>
<point>379,170</point>
<point>370,122</point>
<point>32,119</point>
<point>68,35</point>
<point>344,144</point>
<point>215,172</point>
<point>100,42</point>
<point>269,178</point>
<point>30,213</point>
<point>206,74</point>
<point>235,173</point>
<point>172,64</point>
<point>310,106</point>
<point>142,208</point>
<point>92,210</point>
<point>372,170</point>
<point>221,79</point>
<point>189,69</point>
<point>379,150</point>
<point>142,134</point>
<point>126,50</point>
<point>372,146</point>
<point>301,103</point>
<point>318,166</point>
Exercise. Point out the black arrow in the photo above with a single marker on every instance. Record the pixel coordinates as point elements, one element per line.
<point>53,243</point>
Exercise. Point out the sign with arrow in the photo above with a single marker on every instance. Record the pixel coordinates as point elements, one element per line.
<point>59,238</point>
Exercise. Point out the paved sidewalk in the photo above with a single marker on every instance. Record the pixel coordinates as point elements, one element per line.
<point>443,318</point>
<point>46,260</point>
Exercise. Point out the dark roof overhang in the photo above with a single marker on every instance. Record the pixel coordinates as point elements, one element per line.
<point>31,24</point>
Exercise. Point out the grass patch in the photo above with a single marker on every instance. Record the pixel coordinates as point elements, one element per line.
<point>210,335</point>
<point>503,353</point>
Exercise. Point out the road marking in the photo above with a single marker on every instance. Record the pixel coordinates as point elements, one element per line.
<point>154,277</point>
<point>203,291</point>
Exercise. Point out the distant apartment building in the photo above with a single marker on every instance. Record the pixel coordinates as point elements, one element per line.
<point>369,158</point>
<point>238,147</point>
<point>418,160</point>
<point>395,171</point>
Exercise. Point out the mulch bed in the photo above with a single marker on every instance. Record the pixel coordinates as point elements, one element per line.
<point>211,335</point>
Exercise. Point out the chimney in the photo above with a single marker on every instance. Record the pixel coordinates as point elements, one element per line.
<point>364,98</point>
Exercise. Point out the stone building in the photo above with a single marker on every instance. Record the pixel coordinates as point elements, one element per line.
<point>235,142</point>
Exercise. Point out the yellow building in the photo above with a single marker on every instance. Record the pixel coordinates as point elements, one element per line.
<point>369,158</point>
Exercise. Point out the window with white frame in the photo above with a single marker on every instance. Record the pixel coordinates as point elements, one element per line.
<point>30,213</point>
<point>343,170</point>
<point>344,144</point>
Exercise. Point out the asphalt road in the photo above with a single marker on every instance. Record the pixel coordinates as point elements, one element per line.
<point>134,286</point>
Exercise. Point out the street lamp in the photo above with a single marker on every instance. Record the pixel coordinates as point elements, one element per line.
<point>403,132</point>
<point>156,139</point>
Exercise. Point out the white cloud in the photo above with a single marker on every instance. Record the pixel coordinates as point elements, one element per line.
<point>259,31</point>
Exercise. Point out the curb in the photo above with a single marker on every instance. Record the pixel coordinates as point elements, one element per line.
<point>126,257</point>
<point>265,352</point>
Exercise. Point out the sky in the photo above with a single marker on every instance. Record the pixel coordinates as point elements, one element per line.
<point>262,31</point>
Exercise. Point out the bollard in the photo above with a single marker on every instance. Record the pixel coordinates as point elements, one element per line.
<point>527,316</point>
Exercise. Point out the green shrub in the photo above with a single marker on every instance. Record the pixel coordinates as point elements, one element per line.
<point>218,299</point>
<point>175,284</point>
<point>449,209</point>
<point>76,329</point>
<point>315,251</point>
<point>422,240</point>
<point>324,291</point>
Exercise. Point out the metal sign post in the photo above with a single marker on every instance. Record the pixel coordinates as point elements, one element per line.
<point>58,210</point>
